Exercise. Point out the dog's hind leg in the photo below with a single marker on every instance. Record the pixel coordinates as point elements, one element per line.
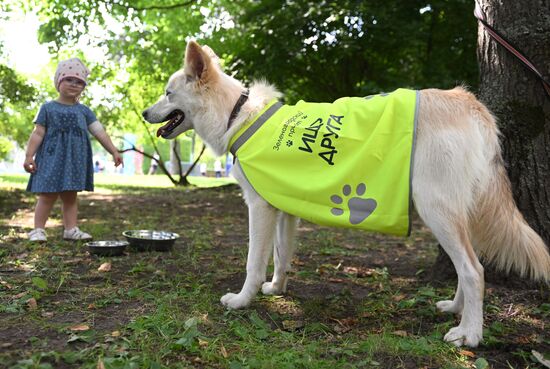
<point>262,222</point>
<point>283,252</point>
<point>451,232</point>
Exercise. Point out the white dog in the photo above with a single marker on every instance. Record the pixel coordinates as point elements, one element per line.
<point>459,184</point>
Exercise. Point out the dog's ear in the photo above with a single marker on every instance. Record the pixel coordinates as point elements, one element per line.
<point>197,61</point>
<point>207,49</point>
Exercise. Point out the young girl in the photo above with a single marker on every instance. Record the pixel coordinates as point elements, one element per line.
<point>63,162</point>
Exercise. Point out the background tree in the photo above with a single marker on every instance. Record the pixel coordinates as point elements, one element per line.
<point>311,50</point>
<point>519,101</point>
<point>16,96</point>
<point>522,108</point>
<point>323,50</point>
<point>315,50</point>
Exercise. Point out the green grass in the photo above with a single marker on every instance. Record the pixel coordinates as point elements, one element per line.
<point>115,181</point>
<point>344,309</point>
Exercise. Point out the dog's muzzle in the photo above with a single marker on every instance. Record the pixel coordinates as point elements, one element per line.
<point>175,118</point>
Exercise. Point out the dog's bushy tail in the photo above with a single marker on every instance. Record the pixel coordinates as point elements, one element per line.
<point>500,233</point>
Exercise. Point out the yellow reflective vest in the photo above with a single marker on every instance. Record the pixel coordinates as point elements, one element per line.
<point>346,163</point>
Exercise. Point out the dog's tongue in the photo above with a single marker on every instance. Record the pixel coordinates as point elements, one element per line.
<point>161,130</point>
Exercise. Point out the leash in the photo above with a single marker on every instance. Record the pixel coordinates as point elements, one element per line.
<point>237,108</point>
<point>478,13</point>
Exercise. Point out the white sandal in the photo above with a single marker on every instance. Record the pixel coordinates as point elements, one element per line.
<point>75,234</point>
<point>37,235</point>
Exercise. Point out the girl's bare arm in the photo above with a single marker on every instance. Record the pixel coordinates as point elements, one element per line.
<point>37,136</point>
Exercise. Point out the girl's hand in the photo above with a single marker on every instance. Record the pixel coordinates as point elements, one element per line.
<point>117,158</point>
<point>29,165</point>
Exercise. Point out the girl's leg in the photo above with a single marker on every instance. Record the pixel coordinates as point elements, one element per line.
<point>69,208</point>
<point>43,208</point>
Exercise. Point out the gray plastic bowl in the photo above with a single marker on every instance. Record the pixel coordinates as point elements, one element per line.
<point>107,248</point>
<point>148,240</point>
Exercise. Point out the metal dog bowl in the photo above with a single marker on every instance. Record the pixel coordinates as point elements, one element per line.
<point>147,240</point>
<point>107,248</point>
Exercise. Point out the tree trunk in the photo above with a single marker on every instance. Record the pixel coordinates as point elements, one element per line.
<point>175,163</point>
<point>520,104</point>
<point>519,101</point>
<point>193,141</point>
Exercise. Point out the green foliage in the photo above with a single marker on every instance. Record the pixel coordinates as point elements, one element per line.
<point>481,363</point>
<point>13,88</point>
<point>312,50</point>
<point>309,49</point>
<point>5,146</point>
<point>16,97</point>
<point>324,50</point>
<point>331,49</point>
<point>39,282</point>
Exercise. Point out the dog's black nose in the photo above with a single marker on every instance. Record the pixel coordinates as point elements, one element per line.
<point>144,114</point>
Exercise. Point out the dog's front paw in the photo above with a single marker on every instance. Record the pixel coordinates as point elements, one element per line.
<point>235,301</point>
<point>460,336</point>
<point>270,288</point>
<point>448,306</point>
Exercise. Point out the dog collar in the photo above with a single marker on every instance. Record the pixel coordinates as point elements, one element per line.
<point>237,107</point>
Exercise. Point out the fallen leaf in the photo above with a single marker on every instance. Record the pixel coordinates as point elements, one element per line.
<point>6,284</point>
<point>292,325</point>
<point>100,364</point>
<point>19,295</point>
<point>74,338</point>
<point>203,343</point>
<point>91,306</point>
<point>540,358</point>
<point>398,298</point>
<point>346,322</point>
<point>47,314</point>
<point>401,333</point>
<point>25,267</point>
<point>115,334</point>
<point>351,270</point>
<point>74,261</point>
<point>31,303</point>
<point>6,345</point>
<point>337,280</point>
<point>80,327</point>
<point>467,353</point>
<point>341,329</point>
<point>105,267</point>
<point>224,352</point>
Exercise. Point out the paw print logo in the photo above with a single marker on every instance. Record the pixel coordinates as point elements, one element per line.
<point>289,143</point>
<point>359,208</point>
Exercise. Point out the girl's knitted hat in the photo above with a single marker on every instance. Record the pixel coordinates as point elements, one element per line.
<point>70,68</point>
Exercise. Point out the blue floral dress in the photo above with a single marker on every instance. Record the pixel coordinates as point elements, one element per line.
<point>64,159</point>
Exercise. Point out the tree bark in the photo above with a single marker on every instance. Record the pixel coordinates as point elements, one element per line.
<point>522,108</point>
<point>175,163</point>
<point>519,101</point>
